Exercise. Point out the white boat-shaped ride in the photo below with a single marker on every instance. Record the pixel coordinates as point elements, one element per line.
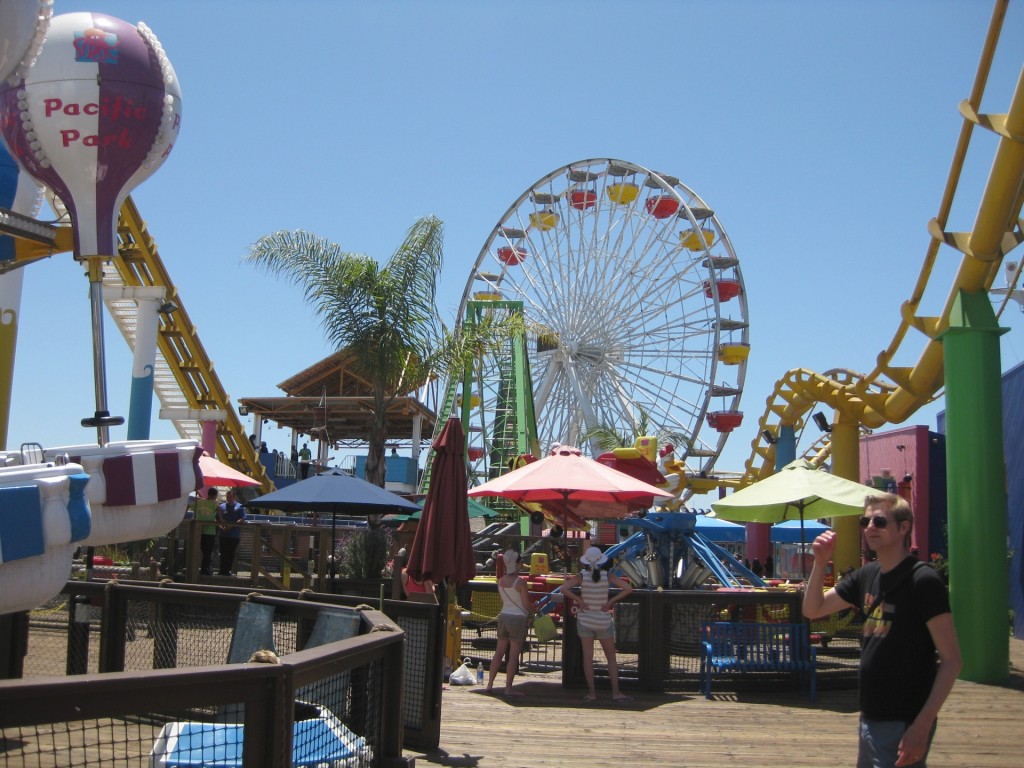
<point>44,515</point>
<point>138,489</point>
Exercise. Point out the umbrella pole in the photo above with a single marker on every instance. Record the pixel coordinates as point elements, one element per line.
<point>565,535</point>
<point>332,559</point>
<point>442,636</point>
<point>803,545</point>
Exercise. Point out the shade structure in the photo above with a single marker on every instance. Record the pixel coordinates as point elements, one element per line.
<point>442,549</point>
<point>220,474</point>
<point>789,531</point>
<point>719,531</point>
<point>798,491</point>
<point>586,487</point>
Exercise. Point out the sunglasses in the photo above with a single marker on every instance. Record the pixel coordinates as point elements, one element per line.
<point>880,521</point>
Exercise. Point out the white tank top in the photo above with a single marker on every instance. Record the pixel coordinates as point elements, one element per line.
<point>511,600</point>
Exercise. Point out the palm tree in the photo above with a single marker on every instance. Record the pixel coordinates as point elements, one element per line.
<point>385,317</point>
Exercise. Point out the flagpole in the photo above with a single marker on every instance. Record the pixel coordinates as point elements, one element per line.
<point>321,433</point>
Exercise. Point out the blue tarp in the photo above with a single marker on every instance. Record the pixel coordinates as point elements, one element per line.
<point>323,740</point>
<point>720,530</point>
<point>789,531</point>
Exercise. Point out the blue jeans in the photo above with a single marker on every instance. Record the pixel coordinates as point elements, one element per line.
<point>880,741</point>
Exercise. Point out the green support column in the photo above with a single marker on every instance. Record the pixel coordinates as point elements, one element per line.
<point>976,488</point>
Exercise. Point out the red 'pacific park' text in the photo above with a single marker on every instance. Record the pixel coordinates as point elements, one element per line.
<point>117,108</point>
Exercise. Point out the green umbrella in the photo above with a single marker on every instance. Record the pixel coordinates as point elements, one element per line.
<point>475,509</point>
<point>798,491</point>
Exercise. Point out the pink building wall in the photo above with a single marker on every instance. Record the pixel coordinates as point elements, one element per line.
<point>881,454</point>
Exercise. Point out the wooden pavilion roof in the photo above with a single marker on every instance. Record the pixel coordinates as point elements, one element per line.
<point>348,401</point>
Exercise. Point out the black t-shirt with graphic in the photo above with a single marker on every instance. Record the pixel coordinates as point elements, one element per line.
<point>898,660</point>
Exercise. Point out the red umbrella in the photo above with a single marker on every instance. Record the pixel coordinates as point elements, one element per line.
<point>443,548</point>
<point>588,488</point>
<point>220,474</point>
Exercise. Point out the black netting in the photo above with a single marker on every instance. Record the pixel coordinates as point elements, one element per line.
<point>415,672</point>
<point>339,714</point>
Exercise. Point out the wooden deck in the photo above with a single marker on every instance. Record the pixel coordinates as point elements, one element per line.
<point>981,726</point>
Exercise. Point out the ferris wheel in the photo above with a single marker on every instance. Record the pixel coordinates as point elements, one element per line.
<point>634,314</point>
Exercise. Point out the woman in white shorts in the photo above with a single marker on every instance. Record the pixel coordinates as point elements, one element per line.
<point>594,620</point>
<point>516,607</point>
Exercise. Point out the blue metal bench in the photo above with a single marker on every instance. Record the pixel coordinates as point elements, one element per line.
<point>731,646</point>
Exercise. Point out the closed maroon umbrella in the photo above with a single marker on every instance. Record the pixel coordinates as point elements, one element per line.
<point>442,549</point>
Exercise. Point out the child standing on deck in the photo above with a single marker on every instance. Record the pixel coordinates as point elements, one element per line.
<point>594,620</point>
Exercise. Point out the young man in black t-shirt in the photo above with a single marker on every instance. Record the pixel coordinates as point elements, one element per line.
<point>910,656</point>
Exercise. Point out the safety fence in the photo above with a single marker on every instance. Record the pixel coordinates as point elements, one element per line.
<point>152,671</point>
<point>275,555</point>
<point>658,637</point>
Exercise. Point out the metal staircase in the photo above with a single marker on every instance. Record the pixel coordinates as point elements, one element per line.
<point>447,406</point>
<point>503,426</point>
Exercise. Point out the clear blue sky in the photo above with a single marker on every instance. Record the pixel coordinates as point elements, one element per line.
<point>821,133</point>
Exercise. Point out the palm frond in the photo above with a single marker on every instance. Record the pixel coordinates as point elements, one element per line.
<point>385,317</point>
<point>411,276</point>
<point>487,337</point>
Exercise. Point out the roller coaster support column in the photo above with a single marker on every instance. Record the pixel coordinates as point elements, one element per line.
<point>759,542</point>
<point>976,487</point>
<point>846,463</point>
<point>785,446</point>
<point>209,439</point>
<point>140,406</point>
<point>209,417</point>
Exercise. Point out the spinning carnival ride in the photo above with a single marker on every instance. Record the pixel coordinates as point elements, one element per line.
<point>633,315</point>
<point>64,122</point>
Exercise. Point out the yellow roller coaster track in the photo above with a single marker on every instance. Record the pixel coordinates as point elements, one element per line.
<point>184,381</point>
<point>181,355</point>
<point>891,394</point>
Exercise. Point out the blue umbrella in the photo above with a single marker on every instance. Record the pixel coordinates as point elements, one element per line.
<point>334,493</point>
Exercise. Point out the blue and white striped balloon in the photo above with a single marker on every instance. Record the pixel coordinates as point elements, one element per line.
<point>19,192</point>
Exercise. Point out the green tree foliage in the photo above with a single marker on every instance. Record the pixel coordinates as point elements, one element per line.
<point>608,438</point>
<point>364,554</point>
<point>385,317</point>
